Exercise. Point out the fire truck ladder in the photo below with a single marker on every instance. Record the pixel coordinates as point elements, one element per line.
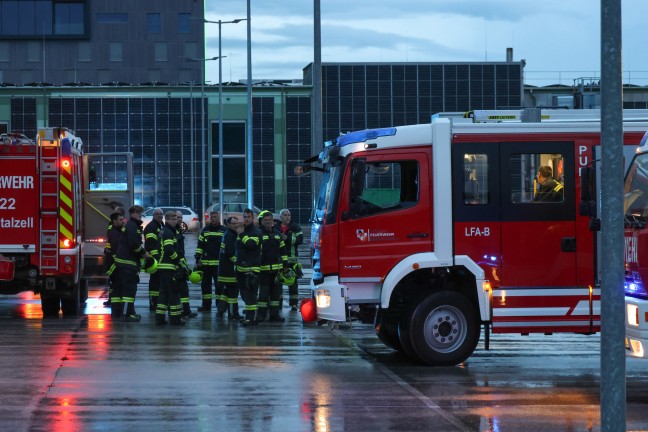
<point>49,156</point>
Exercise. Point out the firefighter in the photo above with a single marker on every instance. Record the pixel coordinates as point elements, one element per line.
<point>184,267</point>
<point>273,259</point>
<point>169,271</point>
<point>152,246</point>
<point>248,260</point>
<point>227,271</point>
<point>127,260</point>
<point>549,190</point>
<point>115,231</point>
<point>292,235</point>
<point>207,251</point>
<point>110,249</point>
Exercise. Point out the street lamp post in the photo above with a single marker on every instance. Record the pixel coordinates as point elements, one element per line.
<point>220,111</point>
<point>202,120</point>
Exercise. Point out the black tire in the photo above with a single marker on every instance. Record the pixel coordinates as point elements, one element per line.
<point>444,329</point>
<point>83,291</point>
<point>387,331</point>
<point>50,305</point>
<point>183,226</point>
<point>404,336</point>
<point>70,304</point>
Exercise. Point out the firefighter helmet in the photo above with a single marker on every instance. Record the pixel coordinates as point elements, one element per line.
<point>297,268</point>
<point>287,276</point>
<point>150,265</point>
<point>195,276</point>
<point>262,214</point>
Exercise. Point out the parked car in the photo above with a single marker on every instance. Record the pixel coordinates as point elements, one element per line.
<point>235,209</point>
<point>190,219</point>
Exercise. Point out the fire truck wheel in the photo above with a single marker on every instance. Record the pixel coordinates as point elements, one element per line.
<point>70,304</point>
<point>444,329</point>
<point>50,305</point>
<point>387,332</point>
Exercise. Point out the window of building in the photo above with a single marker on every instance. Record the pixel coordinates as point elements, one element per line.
<point>234,143</point>
<point>161,51</point>
<point>33,51</point>
<point>69,17</point>
<point>116,51</point>
<point>84,52</point>
<point>4,51</point>
<point>153,23</point>
<point>111,18</point>
<point>184,23</point>
<point>191,49</point>
<point>38,18</point>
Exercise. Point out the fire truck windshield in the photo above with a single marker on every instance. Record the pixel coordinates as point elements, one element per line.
<point>635,203</point>
<point>326,199</point>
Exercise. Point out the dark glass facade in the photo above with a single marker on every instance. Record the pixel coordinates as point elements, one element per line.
<point>367,96</point>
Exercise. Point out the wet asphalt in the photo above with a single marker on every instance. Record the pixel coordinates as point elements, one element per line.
<point>92,374</point>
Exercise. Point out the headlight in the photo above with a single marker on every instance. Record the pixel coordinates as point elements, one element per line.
<point>633,315</point>
<point>323,298</point>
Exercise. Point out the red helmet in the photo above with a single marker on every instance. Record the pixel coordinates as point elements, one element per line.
<point>308,310</point>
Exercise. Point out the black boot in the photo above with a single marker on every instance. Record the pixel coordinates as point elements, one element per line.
<point>186,311</point>
<point>206,306</point>
<point>233,312</point>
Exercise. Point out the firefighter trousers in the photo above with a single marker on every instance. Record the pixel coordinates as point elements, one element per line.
<point>248,284</point>
<point>183,288</point>
<point>169,299</point>
<point>293,294</point>
<point>115,294</point>
<point>210,277</point>
<point>154,290</point>
<point>230,305</point>
<point>270,291</point>
<point>129,277</point>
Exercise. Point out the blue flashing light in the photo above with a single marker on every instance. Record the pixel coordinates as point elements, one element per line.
<point>66,147</point>
<point>362,136</point>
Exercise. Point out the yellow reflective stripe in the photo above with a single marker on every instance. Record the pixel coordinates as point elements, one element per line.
<point>65,182</point>
<point>66,233</point>
<point>247,269</point>
<point>166,266</point>
<point>66,199</point>
<point>169,242</point>
<point>151,235</point>
<point>226,279</point>
<point>246,238</point>
<point>65,215</point>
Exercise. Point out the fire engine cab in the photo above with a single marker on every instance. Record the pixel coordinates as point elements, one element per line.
<point>432,231</point>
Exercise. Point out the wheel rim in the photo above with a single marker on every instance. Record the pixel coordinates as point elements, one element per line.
<point>445,329</point>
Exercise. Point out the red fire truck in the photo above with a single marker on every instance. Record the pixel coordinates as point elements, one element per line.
<point>45,245</point>
<point>432,231</point>
<point>636,253</point>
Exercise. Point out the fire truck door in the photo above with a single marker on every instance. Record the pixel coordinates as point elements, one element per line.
<point>385,215</point>
<point>538,228</point>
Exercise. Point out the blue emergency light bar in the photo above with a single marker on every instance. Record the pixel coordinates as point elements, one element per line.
<point>362,136</point>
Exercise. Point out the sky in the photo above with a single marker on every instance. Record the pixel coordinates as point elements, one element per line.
<point>558,39</point>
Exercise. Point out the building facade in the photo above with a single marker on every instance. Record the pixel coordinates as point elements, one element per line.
<point>100,42</point>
